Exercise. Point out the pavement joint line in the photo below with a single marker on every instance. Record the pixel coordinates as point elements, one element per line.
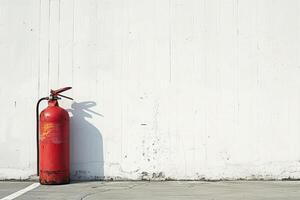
<point>20,192</point>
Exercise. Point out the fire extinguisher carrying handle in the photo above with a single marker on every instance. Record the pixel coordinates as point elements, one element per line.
<point>56,92</point>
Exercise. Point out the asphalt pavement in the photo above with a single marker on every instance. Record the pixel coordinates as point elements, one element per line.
<point>167,190</point>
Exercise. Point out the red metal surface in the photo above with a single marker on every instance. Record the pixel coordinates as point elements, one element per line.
<point>54,145</point>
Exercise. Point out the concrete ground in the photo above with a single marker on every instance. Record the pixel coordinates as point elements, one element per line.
<point>246,190</point>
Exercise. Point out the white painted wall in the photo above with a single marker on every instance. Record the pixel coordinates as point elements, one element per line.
<point>178,89</point>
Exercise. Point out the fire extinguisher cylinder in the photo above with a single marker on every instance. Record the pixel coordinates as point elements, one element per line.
<point>53,130</point>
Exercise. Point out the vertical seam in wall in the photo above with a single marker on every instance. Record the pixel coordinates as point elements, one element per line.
<point>39,50</point>
<point>49,44</point>
<point>257,44</point>
<point>170,44</point>
<point>121,76</point>
<point>73,28</point>
<point>58,42</point>
<point>97,39</point>
<point>237,65</point>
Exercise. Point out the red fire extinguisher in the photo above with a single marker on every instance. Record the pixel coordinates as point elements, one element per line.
<point>53,127</point>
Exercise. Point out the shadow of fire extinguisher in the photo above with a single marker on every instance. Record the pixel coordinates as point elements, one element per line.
<point>86,143</point>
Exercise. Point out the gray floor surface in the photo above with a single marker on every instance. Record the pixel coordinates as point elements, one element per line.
<point>245,190</point>
<point>8,187</point>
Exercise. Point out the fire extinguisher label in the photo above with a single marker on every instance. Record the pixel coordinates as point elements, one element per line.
<point>51,132</point>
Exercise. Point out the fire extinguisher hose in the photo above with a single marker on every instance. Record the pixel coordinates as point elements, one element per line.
<point>37,133</point>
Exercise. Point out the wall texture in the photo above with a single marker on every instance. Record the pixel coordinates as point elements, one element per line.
<point>163,89</point>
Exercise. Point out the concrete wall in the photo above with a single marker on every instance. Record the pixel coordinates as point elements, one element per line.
<point>163,89</point>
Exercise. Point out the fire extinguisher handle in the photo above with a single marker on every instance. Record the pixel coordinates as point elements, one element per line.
<point>60,95</point>
<point>56,92</point>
